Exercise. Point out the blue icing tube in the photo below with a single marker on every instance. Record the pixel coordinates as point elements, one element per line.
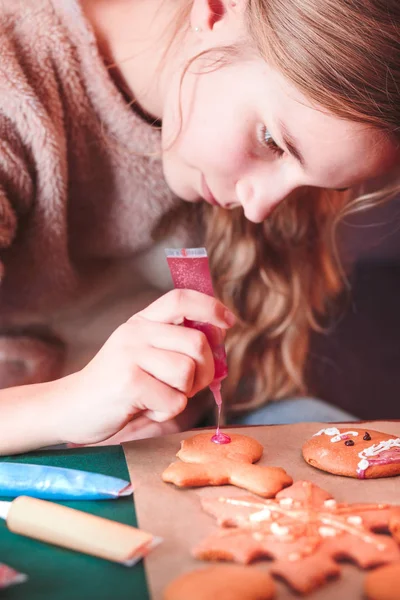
<point>56,483</point>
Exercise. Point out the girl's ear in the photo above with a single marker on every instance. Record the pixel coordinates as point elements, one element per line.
<point>207,15</point>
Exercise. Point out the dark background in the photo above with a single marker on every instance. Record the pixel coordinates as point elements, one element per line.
<point>356,365</point>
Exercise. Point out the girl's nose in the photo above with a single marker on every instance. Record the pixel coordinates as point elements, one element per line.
<point>259,196</point>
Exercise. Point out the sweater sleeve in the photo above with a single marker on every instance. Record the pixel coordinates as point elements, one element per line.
<point>16,186</point>
<point>24,358</point>
<point>31,142</point>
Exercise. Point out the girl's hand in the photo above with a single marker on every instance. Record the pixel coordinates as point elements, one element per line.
<point>148,364</point>
<point>141,427</point>
<point>138,429</point>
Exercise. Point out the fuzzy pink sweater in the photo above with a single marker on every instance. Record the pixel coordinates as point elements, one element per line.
<point>78,199</point>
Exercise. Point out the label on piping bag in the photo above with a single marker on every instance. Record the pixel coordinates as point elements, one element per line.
<point>186,252</point>
<point>190,269</point>
<point>56,483</point>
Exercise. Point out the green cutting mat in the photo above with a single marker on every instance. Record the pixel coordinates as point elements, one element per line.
<point>59,574</point>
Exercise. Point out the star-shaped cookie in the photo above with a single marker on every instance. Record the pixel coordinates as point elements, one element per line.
<point>303,529</point>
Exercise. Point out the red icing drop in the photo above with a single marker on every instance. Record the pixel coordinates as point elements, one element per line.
<point>220,438</point>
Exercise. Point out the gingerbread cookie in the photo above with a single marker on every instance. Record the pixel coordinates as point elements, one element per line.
<point>222,582</point>
<point>205,463</point>
<point>200,449</point>
<point>383,583</point>
<point>304,529</point>
<point>354,452</point>
<point>394,525</point>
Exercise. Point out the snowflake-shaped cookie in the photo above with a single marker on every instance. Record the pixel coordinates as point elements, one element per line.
<point>304,529</point>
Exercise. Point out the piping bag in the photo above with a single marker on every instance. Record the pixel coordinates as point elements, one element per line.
<point>56,483</point>
<point>77,530</point>
<point>190,270</point>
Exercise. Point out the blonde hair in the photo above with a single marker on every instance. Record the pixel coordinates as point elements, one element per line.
<point>281,276</point>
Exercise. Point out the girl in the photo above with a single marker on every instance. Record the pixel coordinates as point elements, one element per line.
<point>269,110</point>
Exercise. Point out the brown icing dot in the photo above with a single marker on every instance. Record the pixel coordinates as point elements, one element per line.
<point>349,443</point>
<point>366,437</point>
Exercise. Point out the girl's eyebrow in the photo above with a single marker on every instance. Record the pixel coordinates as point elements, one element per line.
<point>290,144</point>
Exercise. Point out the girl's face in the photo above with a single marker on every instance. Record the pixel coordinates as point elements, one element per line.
<point>241,134</point>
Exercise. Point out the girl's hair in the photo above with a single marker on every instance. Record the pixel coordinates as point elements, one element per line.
<point>281,276</point>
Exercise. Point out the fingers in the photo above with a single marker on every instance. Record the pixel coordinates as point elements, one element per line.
<point>177,305</point>
<point>162,401</point>
<point>181,342</point>
<point>174,369</point>
<point>139,429</point>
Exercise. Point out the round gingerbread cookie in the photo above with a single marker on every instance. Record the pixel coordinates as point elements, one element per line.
<point>383,583</point>
<point>222,582</point>
<point>200,449</point>
<point>360,453</point>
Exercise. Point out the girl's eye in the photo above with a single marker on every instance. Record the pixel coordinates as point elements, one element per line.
<point>266,140</point>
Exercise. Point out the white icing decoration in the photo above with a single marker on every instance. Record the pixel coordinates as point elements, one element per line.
<point>326,524</point>
<point>334,431</point>
<point>262,515</point>
<point>374,450</point>
<point>381,547</point>
<point>286,501</point>
<point>328,431</point>
<point>354,520</point>
<point>331,503</point>
<point>368,539</point>
<point>325,531</point>
<point>363,464</point>
<point>294,556</point>
<point>340,436</point>
<point>277,529</point>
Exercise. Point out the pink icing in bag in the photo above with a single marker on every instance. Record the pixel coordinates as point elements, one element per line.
<point>190,270</point>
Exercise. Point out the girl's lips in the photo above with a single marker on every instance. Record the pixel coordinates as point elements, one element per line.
<point>206,192</point>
